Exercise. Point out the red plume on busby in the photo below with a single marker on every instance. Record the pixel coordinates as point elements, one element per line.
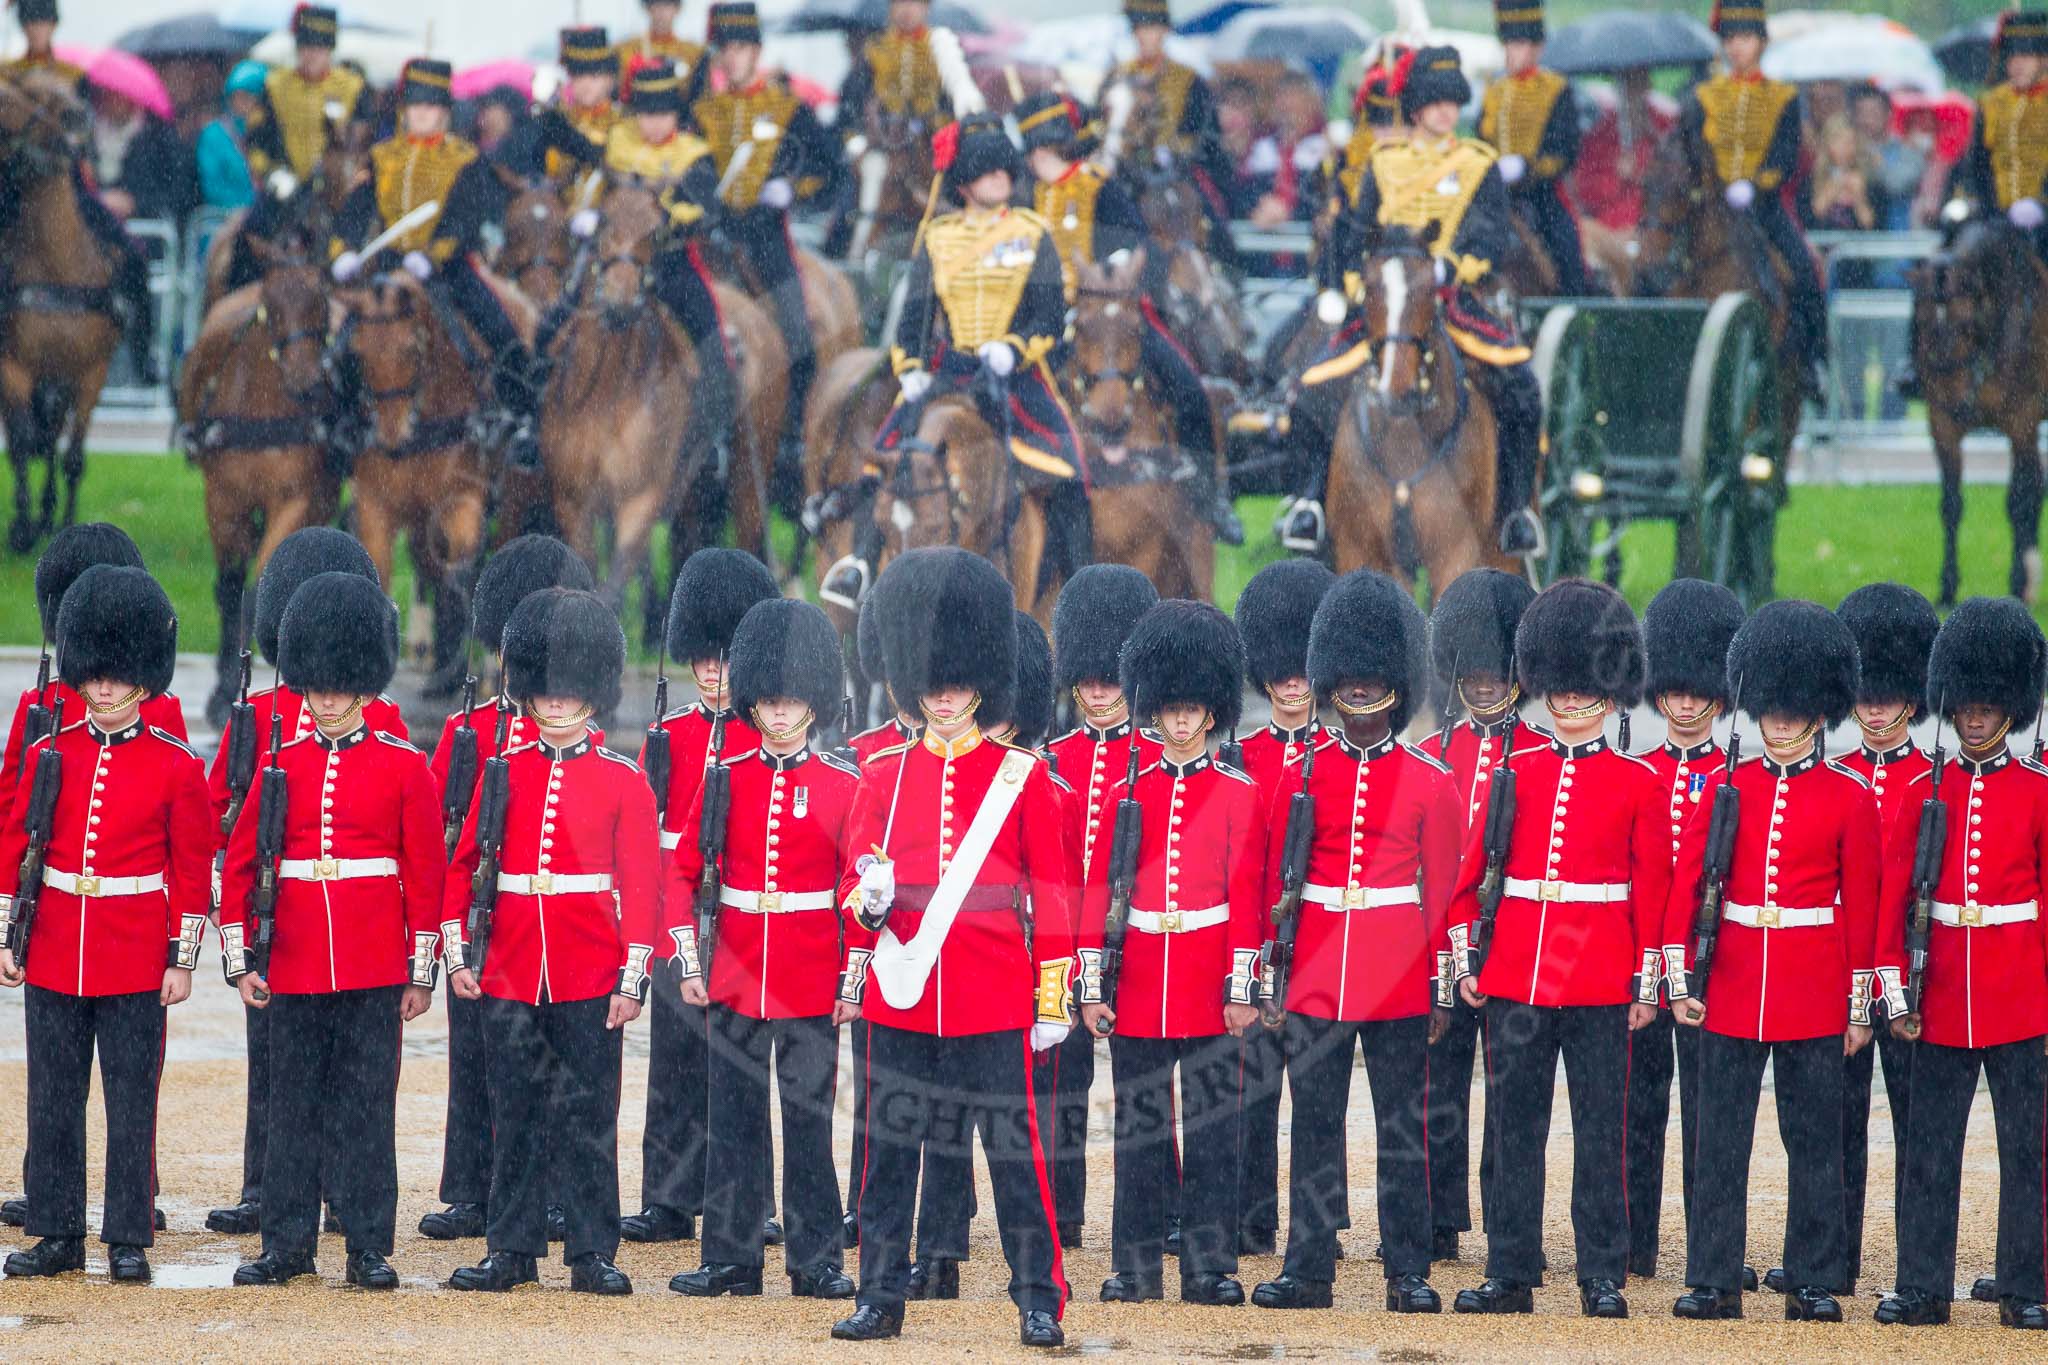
<point>945,146</point>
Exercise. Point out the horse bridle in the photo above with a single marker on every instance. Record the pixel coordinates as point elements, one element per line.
<point>414,392</point>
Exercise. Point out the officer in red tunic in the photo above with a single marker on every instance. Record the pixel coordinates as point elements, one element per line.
<point>298,557</point>
<point>116,934</point>
<point>1273,615</point>
<point>1984,1004</point>
<point>572,925</point>
<point>961,889</point>
<point>1572,960</point>
<point>775,960</point>
<point>526,565</point>
<point>1791,979</point>
<point>714,589</point>
<point>1372,948</point>
<point>1686,630</point>
<point>1472,653</point>
<point>355,935</point>
<point>1094,614</point>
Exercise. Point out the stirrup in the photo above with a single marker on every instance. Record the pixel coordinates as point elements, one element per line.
<point>1297,541</point>
<point>1528,517</point>
<point>832,590</point>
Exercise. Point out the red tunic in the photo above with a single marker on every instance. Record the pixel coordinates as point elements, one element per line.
<point>1475,751</point>
<point>988,969</point>
<point>1201,854</point>
<point>1987,983</point>
<point>1890,774</point>
<point>574,812</point>
<point>132,804</point>
<point>1587,878</point>
<point>887,735</point>
<point>1685,774</point>
<point>163,712</point>
<point>1091,760</point>
<point>1381,870</point>
<point>1267,754</point>
<point>379,713</point>
<point>519,730</point>
<point>1808,842</point>
<point>689,748</point>
<point>365,803</point>
<point>785,835</point>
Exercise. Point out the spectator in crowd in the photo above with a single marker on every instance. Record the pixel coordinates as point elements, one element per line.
<point>500,119</point>
<point>1844,190</point>
<point>138,164</point>
<point>1921,143</point>
<point>222,150</point>
<point>1298,126</point>
<point>1900,166</point>
<point>1252,152</point>
<point>1615,154</point>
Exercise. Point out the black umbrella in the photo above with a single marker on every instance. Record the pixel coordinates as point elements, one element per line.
<point>1626,40</point>
<point>828,16</point>
<point>187,35</point>
<point>1965,51</point>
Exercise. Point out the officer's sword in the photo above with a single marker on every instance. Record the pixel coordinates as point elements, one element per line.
<point>419,217</point>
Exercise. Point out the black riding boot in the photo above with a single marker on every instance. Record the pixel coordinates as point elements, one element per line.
<point>1070,530</point>
<point>1518,416</point>
<point>131,280</point>
<point>1303,529</point>
<point>516,381</point>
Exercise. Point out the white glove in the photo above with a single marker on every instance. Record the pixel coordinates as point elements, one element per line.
<point>778,193</point>
<point>877,887</point>
<point>1740,194</point>
<point>347,266</point>
<point>1443,271</point>
<point>999,356</point>
<point>281,184</point>
<point>583,224</point>
<point>856,147</point>
<point>915,384</point>
<point>1512,168</point>
<point>418,266</point>
<point>2025,213</point>
<point>1046,1037</point>
<point>1956,212</point>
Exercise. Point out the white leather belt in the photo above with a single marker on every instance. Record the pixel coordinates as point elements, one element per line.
<point>335,869</point>
<point>1359,897</point>
<point>1575,893</point>
<point>554,883</point>
<point>1178,921</point>
<point>671,839</point>
<point>102,886</point>
<point>1979,916</point>
<point>774,902</point>
<point>1778,916</point>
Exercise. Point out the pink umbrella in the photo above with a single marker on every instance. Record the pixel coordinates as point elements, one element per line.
<point>124,74</point>
<point>482,79</point>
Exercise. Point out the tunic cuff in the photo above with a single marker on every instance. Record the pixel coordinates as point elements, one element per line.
<point>1055,995</point>
<point>854,979</point>
<point>1445,983</point>
<point>451,946</point>
<point>685,954</point>
<point>1676,984</point>
<point>185,947</point>
<point>1893,990</point>
<point>633,976</point>
<point>1649,976</point>
<point>1088,991</point>
<point>426,968</point>
<point>1242,986</point>
<point>1464,959</point>
<point>1860,988</point>
<point>235,960</point>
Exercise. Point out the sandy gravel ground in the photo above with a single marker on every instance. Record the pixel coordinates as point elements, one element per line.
<point>191,1313</point>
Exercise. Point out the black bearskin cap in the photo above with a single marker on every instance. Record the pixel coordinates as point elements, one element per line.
<point>1187,652</point>
<point>1273,616</point>
<point>116,624</point>
<point>1031,712</point>
<point>299,556</point>
<point>339,634</point>
<point>1093,618</point>
<point>523,566</point>
<point>947,619</point>
<point>787,648</point>
<point>1472,630</point>
<point>1894,628</point>
<point>1796,659</point>
<point>1368,627</point>
<point>564,643</point>
<point>714,589</point>
<point>1989,651</point>
<point>1580,636</point>
<point>1686,630</point>
<point>71,552</point>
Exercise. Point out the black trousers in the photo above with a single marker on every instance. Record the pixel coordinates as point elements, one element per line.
<point>1152,1181</point>
<point>1857,1073</point>
<point>333,1088</point>
<point>683,283</point>
<point>672,1145</point>
<point>1808,295</point>
<point>1064,1080</point>
<point>256,1109</point>
<point>1651,1053</point>
<point>945,1184</point>
<point>1944,1083</point>
<point>466,1142</point>
<point>920,1085</point>
<point>1319,1077</point>
<point>1553,225</point>
<point>1523,1044</point>
<point>763,234</point>
<point>1194,421</point>
<point>1807,1077</point>
<point>1449,1122</point>
<point>740,1189</point>
<point>63,1033</point>
<point>553,1066</point>
<point>1517,401</point>
<point>1895,1059</point>
<point>1265,1066</point>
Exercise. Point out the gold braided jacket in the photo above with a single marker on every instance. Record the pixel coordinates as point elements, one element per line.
<point>727,121</point>
<point>408,173</point>
<point>648,48</point>
<point>50,66</point>
<point>1741,119</point>
<point>906,77</point>
<point>1420,183</point>
<point>658,165</point>
<point>2016,141</point>
<point>1352,159</point>
<point>1068,208</point>
<point>595,122</point>
<point>980,263</point>
<point>300,108</point>
<point>1169,83</point>
<point>1514,114</point>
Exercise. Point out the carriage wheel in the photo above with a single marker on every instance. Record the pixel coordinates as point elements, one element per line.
<point>1574,427</point>
<point>1728,449</point>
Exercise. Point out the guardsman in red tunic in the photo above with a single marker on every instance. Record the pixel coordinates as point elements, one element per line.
<point>115,935</point>
<point>961,912</point>
<point>1094,614</point>
<point>714,589</point>
<point>1791,977</point>
<point>355,930</point>
<point>774,962</point>
<point>1273,616</point>
<point>1572,958</point>
<point>1984,1003</point>
<point>572,923</point>
<point>525,565</point>
<point>1686,630</point>
<point>1187,969</point>
<point>298,557</point>
<point>1371,960</point>
<point>1472,651</point>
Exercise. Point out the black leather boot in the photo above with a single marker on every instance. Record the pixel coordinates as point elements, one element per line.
<point>869,1323</point>
<point>14,1212</point>
<point>369,1270</point>
<point>238,1220</point>
<point>933,1278</point>
<point>496,1273</point>
<point>1412,1294</point>
<point>658,1223</point>
<point>128,1265</point>
<point>1602,1299</point>
<point>51,1256</point>
<point>1036,1327</point>
<point>1127,1286</point>
<point>1811,1303</point>
<point>1905,1307</point>
<point>1702,1304</point>
<point>713,1279</point>
<point>451,1224</point>
<point>2026,1317</point>
<point>825,1281</point>
<point>1496,1296</point>
<point>595,1274</point>
<point>272,1268</point>
<point>1286,1291</point>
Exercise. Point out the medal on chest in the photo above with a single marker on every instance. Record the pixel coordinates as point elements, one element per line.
<point>1448,186</point>
<point>803,801</point>
<point>1695,783</point>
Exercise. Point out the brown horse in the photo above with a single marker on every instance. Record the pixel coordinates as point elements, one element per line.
<point>890,173</point>
<point>538,251</point>
<point>1980,347</point>
<point>254,403</point>
<point>1412,472</point>
<point>849,403</point>
<point>310,208</point>
<point>60,324</point>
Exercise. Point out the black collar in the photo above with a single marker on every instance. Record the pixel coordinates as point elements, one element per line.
<point>1977,767</point>
<point>1367,754</point>
<point>1102,736</point>
<point>710,712</point>
<point>563,755</point>
<point>347,741</point>
<point>1586,750</point>
<point>1896,754</point>
<point>782,763</point>
<point>1187,769</point>
<point>1286,736</point>
<point>107,739</point>
<point>1694,754</point>
<point>1783,770</point>
<point>1494,730</point>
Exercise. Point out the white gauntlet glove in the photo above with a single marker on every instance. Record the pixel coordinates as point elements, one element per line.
<point>2025,213</point>
<point>583,224</point>
<point>915,384</point>
<point>1512,168</point>
<point>346,267</point>
<point>877,889</point>
<point>778,193</point>
<point>418,266</point>
<point>999,356</point>
<point>1046,1037</point>
<point>1740,194</point>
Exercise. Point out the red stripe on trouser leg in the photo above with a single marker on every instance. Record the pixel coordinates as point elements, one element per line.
<point>1059,1268</point>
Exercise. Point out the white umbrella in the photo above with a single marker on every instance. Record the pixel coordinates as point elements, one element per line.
<point>1874,50</point>
<point>1305,32</point>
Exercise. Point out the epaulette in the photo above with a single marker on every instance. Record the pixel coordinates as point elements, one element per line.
<point>1062,739</point>
<point>395,742</point>
<point>1062,783</point>
<point>1431,759</point>
<point>1036,757</point>
<point>387,698</point>
<point>891,751</point>
<point>1238,774</point>
<point>167,737</point>
<point>838,764</point>
<point>1327,740</point>
<point>1152,735</point>
<point>1849,773</point>
<point>615,757</point>
<point>679,713</point>
<point>521,748</point>
<point>1636,759</point>
<point>297,740</point>
<point>2032,764</point>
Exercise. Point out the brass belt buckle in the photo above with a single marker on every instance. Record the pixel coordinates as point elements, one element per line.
<point>1354,898</point>
<point>86,886</point>
<point>1767,917</point>
<point>1973,916</point>
<point>1553,891</point>
<point>1169,922</point>
<point>327,869</point>
<point>543,883</point>
<point>769,902</point>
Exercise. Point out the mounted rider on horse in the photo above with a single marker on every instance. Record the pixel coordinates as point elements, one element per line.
<point>1530,117</point>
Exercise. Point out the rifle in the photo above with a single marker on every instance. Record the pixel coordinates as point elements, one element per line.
<point>711,838</point>
<point>42,817</point>
<point>1230,751</point>
<point>270,812</point>
<point>492,797</point>
<point>463,758</point>
<point>1927,857</point>
<point>1123,877</point>
<point>1496,837</point>
<point>41,721</point>
<point>1279,950</point>
<point>1624,732</point>
<point>1722,826</point>
<point>654,751</point>
<point>241,750</point>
